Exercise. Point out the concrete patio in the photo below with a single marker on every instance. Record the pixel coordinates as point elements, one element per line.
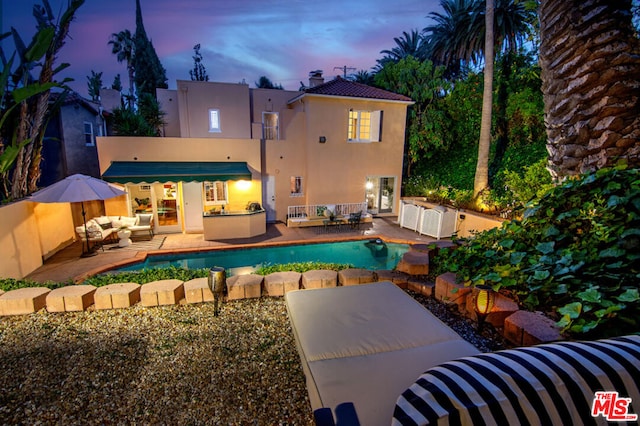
<point>67,264</point>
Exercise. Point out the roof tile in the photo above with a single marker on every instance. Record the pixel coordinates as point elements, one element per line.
<point>341,87</point>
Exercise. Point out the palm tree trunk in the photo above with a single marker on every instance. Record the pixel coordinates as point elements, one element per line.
<point>481,180</point>
<point>590,61</point>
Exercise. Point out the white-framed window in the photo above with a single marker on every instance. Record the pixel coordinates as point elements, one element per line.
<point>215,193</point>
<point>270,129</point>
<point>364,126</point>
<point>296,186</point>
<point>89,139</point>
<point>214,120</point>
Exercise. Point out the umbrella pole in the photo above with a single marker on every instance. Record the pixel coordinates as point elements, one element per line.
<point>86,235</point>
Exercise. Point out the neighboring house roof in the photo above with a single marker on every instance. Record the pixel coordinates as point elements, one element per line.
<point>73,98</point>
<point>350,89</point>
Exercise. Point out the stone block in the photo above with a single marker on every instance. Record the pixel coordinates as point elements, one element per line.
<point>400,279</point>
<point>502,308</point>
<point>355,276</point>
<point>70,298</point>
<point>117,296</point>
<point>244,286</point>
<point>424,288</point>
<point>198,291</point>
<point>162,292</point>
<point>524,328</point>
<point>23,300</point>
<point>448,291</point>
<point>414,263</point>
<point>279,283</point>
<point>319,278</point>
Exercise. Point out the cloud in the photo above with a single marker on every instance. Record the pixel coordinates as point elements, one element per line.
<point>282,39</point>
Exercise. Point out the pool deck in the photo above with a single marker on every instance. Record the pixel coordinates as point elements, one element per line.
<point>67,265</point>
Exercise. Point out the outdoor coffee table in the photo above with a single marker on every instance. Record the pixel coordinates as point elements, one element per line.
<point>125,238</point>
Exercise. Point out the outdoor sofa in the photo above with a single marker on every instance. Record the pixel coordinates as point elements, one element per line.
<point>103,228</point>
<point>372,355</point>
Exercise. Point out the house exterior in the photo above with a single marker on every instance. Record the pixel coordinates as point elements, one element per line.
<point>338,142</point>
<point>69,145</point>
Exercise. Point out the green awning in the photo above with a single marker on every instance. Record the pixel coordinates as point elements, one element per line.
<point>161,171</point>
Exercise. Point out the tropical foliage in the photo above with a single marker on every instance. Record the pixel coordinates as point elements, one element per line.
<point>575,255</point>
<point>94,84</point>
<point>24,98</point>
<point>147,120</point>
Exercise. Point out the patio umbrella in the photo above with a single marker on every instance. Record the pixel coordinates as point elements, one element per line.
<point>77,189</point>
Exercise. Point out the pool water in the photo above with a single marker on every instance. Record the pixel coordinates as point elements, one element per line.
<point>366,254</point>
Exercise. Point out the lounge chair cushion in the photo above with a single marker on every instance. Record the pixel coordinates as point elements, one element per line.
<point>363,344</point>
<point>546,384</point>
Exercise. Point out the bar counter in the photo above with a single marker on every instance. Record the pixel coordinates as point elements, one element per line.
<point>234,224</point>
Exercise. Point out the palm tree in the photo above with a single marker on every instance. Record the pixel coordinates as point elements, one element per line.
<point>481,179</point>
<point>590,60</point>
<point>458,37</point>
<point>123,46</point>
<point>409,44</point>
<point>448,40</point>
<point>364,77</point>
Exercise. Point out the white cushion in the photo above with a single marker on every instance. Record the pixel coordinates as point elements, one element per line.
<point>102,220</point>
<point>365,344</point>
<point>128,221</point>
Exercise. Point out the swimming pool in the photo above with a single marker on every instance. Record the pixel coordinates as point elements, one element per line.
<point>367,254</point>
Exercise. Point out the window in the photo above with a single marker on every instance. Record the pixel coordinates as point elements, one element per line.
<point>296,186</point>
<point>215,193</point>
<point>364,126</point>
<point>89,140</point>
<point>214,120</point>
<point>270,126</point>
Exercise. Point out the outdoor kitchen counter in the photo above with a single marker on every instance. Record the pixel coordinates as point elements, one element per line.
<point>234,224</point>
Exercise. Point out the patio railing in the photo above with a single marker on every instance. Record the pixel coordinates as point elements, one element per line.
<point>313,210</point>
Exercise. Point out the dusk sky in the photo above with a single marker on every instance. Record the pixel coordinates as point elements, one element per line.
<point>240,39</point>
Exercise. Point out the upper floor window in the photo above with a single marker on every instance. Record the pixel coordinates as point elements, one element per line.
<point>89,139</point>
<point>270,126</point>
<point>214,120</point>
<point>215,193</point>
<point>364,126</point>
<point>296,186</point>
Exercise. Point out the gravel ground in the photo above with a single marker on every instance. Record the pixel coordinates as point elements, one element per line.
<point>166,365</point>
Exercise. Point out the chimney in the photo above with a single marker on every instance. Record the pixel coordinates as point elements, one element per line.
<point>315,78</point>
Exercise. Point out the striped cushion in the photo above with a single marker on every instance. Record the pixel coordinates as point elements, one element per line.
<point>546,384</point>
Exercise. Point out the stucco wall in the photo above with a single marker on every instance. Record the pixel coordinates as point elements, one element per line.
<point>195,98</point>
<point>168,100</point>
<point>31,232</point>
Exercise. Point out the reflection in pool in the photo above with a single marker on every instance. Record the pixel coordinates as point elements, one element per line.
<point>367,254</point>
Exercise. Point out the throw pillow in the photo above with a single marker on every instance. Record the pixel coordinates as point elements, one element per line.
<point>144,219</point>
<point>128,221</point>
<point>107,225</point>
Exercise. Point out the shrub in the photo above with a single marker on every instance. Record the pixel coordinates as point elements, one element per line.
<point>575,254</point>
<point>147,276</point>
<point>8,284</point>
<point>301,267</point>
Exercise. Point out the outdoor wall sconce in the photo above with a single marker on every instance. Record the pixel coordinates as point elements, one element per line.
<point>323,139</point>
<point>484,301</point>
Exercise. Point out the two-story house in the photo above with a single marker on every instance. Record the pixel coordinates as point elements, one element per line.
<point>228,147</point>
<point>69,145</point>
